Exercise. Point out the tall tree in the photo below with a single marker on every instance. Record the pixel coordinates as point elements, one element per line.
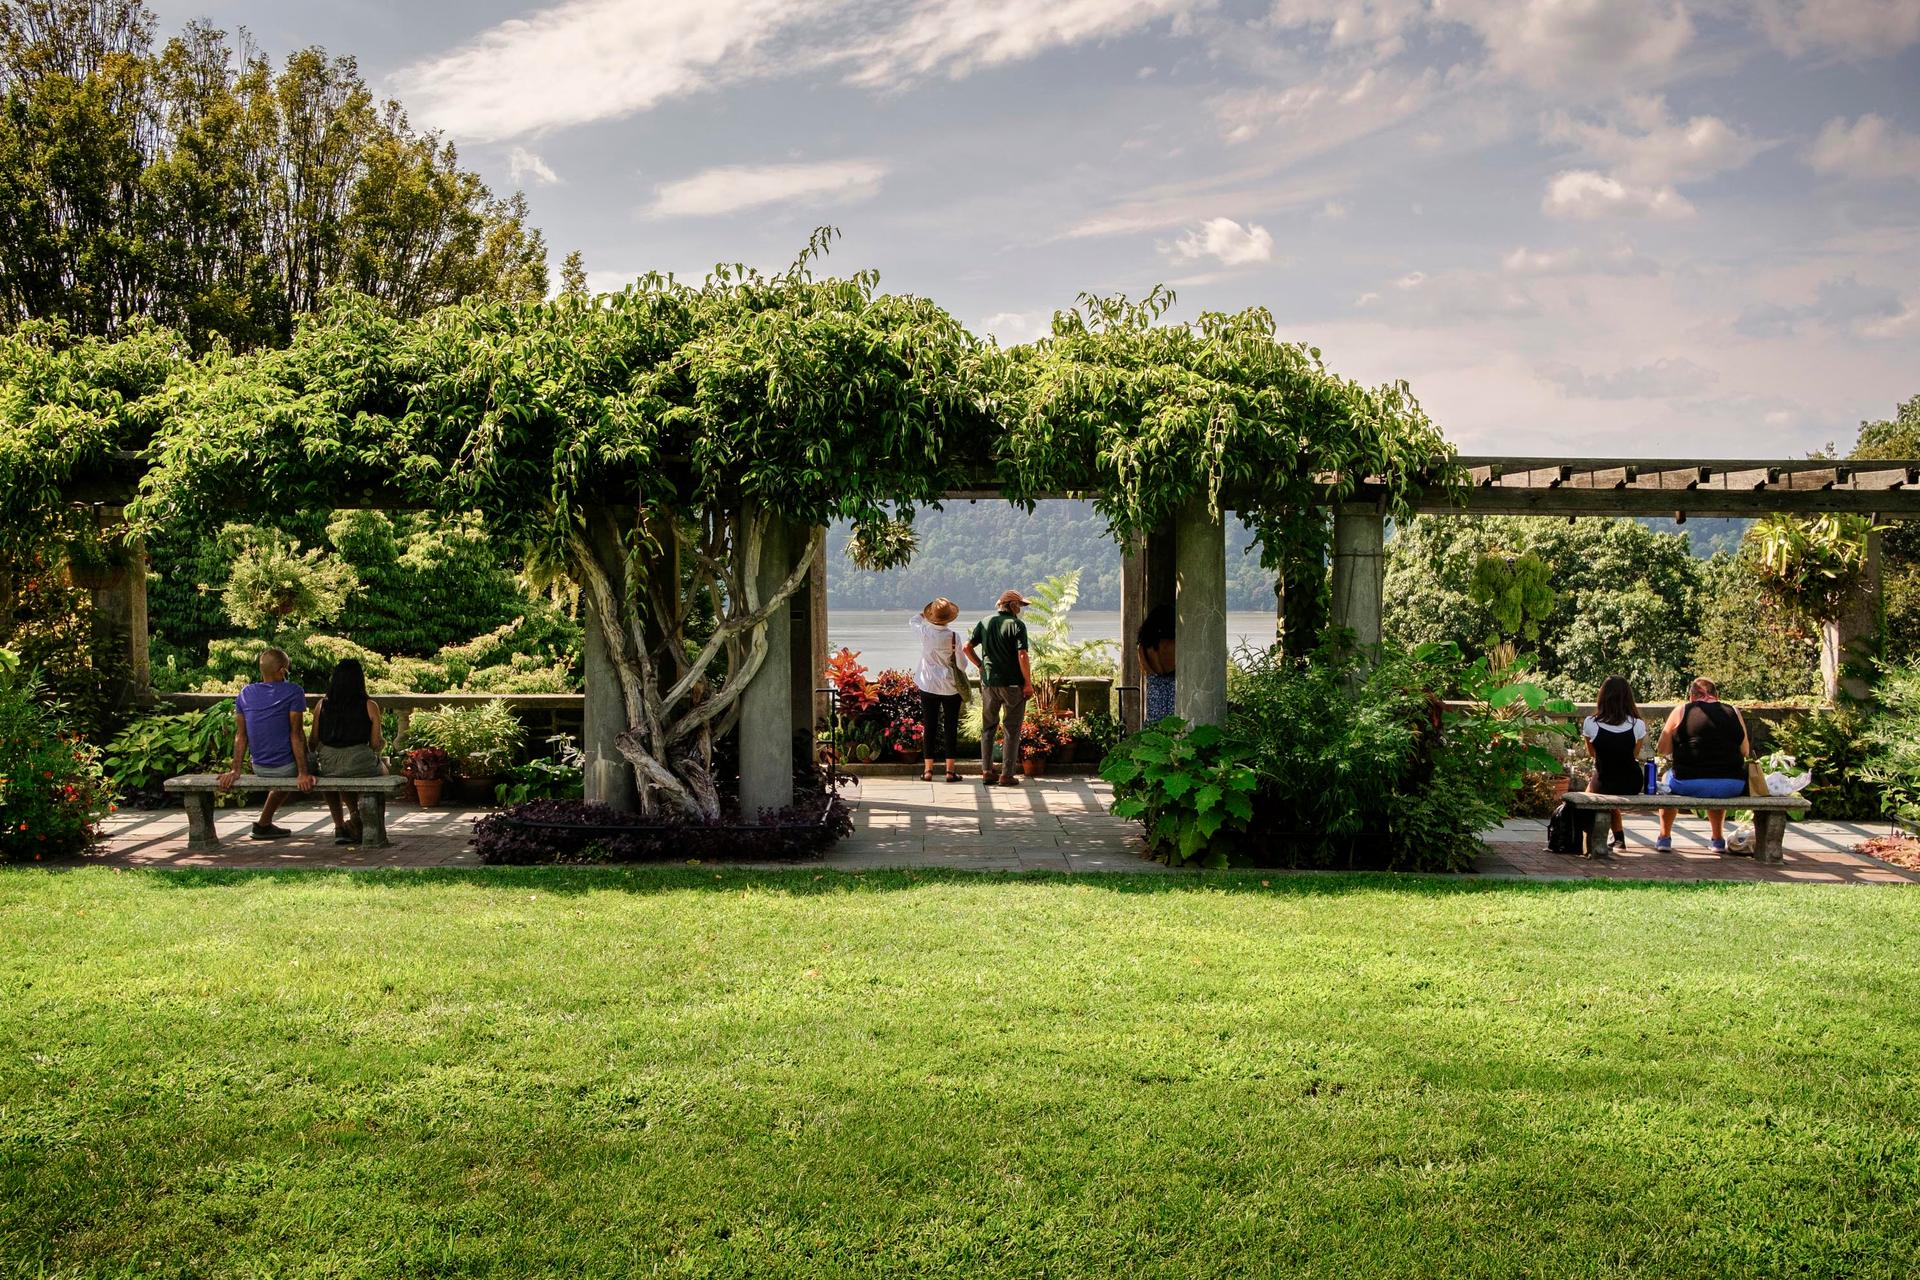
<point>209,190</point>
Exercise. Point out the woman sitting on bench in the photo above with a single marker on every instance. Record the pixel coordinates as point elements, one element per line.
<point>346,742</point>
<point>1708,744</point>
<point>1613,734</point>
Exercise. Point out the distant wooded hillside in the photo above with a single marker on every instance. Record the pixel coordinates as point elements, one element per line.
<point>972,551</point>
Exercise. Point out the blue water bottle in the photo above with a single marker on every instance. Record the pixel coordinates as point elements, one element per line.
<point>1653,779</point>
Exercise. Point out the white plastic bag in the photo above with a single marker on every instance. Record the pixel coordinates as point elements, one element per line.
<point>1779,784</point>
<point>1740,839</point>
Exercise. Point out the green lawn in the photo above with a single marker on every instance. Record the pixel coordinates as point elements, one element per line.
<point>614,1073</point>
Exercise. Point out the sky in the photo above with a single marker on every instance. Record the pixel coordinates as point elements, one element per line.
<point>1588,227</point>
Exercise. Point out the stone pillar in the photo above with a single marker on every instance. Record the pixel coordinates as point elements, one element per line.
<point>119,599</point>
<point>817,631</point>
<point>1133,611</point>
<point>1852,638</point>
<point>1200,615</point>
<point>808,659</point>
<point>1359,571</point>
<point>609,777</point>
<point>766,708</point>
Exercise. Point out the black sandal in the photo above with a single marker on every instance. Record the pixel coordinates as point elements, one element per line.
<point>951,776</point>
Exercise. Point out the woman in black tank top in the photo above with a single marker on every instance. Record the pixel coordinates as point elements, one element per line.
<point>1708,742</point>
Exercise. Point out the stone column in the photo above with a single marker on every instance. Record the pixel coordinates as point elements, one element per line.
<point>1133,611</point>
<point>766,708</point>
<point>1359,571</point>
<point>1200,615</point>
<point>120,620</point>
<point>807,648</point>
<point>817,630</point>
<point>609,777</point>
<point>1850,639</point>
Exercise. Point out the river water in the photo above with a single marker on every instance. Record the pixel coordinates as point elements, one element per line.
<point>883,639</point>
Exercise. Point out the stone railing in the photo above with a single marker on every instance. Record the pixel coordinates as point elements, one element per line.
<point>544,714</point>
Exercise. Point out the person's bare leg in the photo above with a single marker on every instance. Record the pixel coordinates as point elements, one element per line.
<point>270,806</point>
<point>333,807</point>
<point>1619,823</point>
<point>1666,823</point>
<point>1714,818</point>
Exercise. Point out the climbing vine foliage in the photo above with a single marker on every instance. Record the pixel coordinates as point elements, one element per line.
<point>672,446</point>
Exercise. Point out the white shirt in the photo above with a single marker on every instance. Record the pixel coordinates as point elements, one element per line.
<point>939,648</point>
<point>1592,728</point>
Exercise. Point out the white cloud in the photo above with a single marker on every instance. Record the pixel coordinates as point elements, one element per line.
<point>1869,147</point>
<point>1570,47</point>
<point>1333,211</point>
<point>1674,376</point>
<point>1865,28</point>
<point>586,60</point>
<point>731,188</point>
<point>957,37</point>
<point>523,164</point>
<point>1616,260</point>
<point>1010,328</point>
<point>1331,110</point>
<point>1842,305</point>
<point>1419,299</point>
<point>1563,45</point>
<point>1585,195</point>
<point>1226,241</point>
<point>1655,150</point>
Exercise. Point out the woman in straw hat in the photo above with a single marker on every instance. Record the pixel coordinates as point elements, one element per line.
<point>941,682</point>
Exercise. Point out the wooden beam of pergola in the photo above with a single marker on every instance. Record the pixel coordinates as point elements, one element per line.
<point>1522,486</point>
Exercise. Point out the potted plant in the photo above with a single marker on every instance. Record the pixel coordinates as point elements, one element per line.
<point>1044,734</point>
<point>427,769</point>
<point>481,739</point>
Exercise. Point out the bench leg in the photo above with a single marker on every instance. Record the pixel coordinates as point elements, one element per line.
<point>373,820</point>
<point>1599,827</point>
<point>201,837</point>
<point>1769,836</point>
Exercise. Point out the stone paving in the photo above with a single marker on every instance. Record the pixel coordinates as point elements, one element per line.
<point>1047,824</point>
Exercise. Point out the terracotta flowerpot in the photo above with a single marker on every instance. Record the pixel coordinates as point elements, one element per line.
<point>1557,788</point>
<point>1033,768</point>
<point>428,790</point>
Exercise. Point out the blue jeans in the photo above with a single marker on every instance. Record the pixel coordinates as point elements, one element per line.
<point>1710,788</point>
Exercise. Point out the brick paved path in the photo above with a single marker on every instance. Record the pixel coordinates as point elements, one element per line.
<point>1053,824</point>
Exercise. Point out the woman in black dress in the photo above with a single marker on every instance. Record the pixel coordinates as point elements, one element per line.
<point>1613,734</point>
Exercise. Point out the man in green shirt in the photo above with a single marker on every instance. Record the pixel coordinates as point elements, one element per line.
<point>1006,682</point>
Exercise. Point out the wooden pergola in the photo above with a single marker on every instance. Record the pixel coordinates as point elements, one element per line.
<point>1183,565</point>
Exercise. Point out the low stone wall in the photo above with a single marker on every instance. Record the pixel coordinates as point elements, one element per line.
<point>544,714</point>
<point>1760,717</point>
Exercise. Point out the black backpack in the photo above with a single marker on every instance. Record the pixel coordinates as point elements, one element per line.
<point>1563,830</point>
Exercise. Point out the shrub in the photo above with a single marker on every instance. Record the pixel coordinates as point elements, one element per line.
<point>574,831</point>
<point>154,748</point>
<point>52,793</point>
<point>1349,767</point>
<point>1191,787</point>
<point>560,776</point>
<point>1832,743</point>
<point>1892,740</point>
<point>481,738</point>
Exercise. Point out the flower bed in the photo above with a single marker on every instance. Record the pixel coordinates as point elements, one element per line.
<point>575,831</point>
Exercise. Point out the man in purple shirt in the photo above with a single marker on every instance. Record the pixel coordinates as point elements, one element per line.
<point>270,725</point>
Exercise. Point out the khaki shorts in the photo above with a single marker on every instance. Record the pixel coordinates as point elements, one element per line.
<point>347,762</point>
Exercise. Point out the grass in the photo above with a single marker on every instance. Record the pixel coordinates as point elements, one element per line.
<point>675,1072</point>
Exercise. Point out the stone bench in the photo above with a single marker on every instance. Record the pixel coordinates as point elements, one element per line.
<point>199,789</point>
<point>1769,816</point>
